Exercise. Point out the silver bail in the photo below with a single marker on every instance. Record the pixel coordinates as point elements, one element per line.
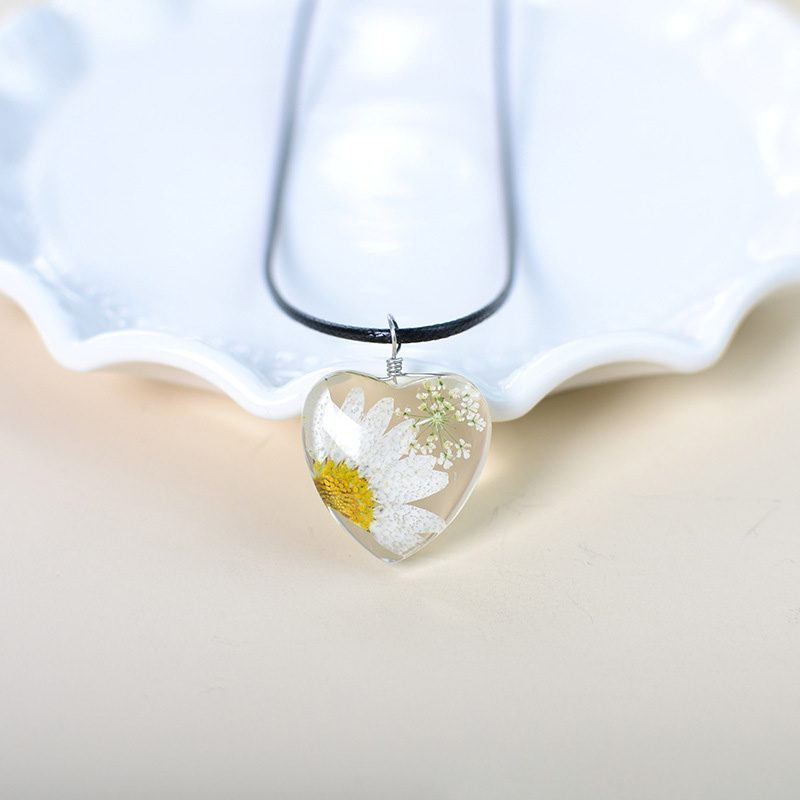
<point>394,365</point>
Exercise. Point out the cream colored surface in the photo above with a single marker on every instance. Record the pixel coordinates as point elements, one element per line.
<point>616,614</point>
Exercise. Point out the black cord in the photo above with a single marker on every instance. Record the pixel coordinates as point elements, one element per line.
<point>425,333</point>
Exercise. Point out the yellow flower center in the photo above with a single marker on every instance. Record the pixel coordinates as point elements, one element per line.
<point>344,490</point>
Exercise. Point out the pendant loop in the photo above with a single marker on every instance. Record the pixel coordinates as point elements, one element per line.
<point>394,365</point>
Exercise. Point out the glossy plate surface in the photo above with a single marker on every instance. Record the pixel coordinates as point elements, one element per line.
<point>657,152</point>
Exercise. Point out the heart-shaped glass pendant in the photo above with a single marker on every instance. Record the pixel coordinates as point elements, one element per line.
<point>395,459</point>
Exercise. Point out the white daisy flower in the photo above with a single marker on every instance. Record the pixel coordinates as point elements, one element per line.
<point>370,475</point>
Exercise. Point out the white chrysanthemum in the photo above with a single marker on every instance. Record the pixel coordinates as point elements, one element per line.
<point>370,475</point>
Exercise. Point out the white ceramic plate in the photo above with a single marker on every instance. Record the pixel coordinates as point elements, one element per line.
<point>657,165</point>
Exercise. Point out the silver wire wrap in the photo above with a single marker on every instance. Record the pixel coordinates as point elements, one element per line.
<point>394,365</point>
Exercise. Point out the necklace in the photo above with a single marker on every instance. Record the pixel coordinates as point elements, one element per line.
<point>394,459</point>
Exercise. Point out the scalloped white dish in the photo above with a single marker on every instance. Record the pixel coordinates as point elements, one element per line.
<point>657,167</point>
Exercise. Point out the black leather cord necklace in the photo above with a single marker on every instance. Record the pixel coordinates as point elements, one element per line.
<point>427,333</point>
<point>394,459</point>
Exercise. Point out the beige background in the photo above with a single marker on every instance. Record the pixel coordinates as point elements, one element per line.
<point>616,615</point>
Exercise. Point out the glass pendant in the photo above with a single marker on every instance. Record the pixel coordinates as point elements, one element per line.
<point>395,459</point>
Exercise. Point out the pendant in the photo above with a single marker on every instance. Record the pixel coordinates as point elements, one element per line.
<point>394,459</point>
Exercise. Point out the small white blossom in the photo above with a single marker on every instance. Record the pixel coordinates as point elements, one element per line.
<point>440,409</point>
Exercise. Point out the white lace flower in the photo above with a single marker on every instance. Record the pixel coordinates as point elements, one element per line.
<point>370,475</point>
<point>441,410</point>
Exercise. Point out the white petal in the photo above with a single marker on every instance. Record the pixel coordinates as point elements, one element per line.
<point>345,434</point>
<point>397,542</point>
<point>317,439</point>
<point>399,529</point>
<point>353,404</point>
<point>391,447</point>
<point>375,423</point>
<point>412,479</point>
